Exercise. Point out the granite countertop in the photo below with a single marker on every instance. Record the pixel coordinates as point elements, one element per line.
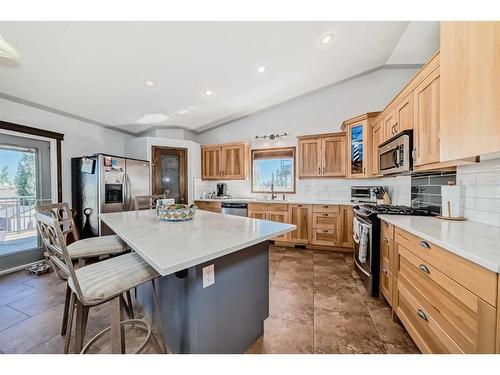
<point>173,246</point>
<point>479,243</point>
<point>287,201</point>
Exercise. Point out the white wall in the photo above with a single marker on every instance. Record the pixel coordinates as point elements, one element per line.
<point>140,148</point>
<point>80,138</point>
<point>172,134</point>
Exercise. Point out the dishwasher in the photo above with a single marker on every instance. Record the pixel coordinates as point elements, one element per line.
<point>233,208</point>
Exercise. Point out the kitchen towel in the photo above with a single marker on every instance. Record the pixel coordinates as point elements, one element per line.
<point>363,244</point>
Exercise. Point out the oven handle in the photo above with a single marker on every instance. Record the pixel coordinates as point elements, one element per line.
<point>359,266</point>
<point>395,157</point>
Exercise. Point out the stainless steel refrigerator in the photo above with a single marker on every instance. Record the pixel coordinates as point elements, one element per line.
<point>105,183</point>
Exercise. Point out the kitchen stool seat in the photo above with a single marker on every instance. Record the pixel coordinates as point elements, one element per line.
<point>96,246</point>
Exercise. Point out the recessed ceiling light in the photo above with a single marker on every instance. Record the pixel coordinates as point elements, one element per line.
<point>262,69</point>
<point>149,83</point>
<point>208,93</point>
<point>325,39</point>
<point>152,118</point>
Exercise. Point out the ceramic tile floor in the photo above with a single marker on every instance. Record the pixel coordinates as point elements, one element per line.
<point>317,305</point>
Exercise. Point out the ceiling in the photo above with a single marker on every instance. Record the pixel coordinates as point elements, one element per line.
<point>98,70</point>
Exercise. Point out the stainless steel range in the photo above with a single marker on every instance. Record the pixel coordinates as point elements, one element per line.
<point>367,246</point>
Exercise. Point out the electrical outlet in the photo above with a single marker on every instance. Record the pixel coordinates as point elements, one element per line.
<point>208,276</point>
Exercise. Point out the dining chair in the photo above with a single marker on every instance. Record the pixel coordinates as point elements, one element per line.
<point>95,284</point>
<point>81,250</point>
<point>148,202</point>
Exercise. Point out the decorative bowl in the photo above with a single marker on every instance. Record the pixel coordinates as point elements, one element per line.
<point>176,212</point>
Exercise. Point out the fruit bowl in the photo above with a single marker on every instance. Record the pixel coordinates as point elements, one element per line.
<point>176,212</point>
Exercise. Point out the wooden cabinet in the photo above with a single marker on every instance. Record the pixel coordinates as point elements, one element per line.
<point>326,226</point>
<point>378,138</point>
<point>322,155</point>
<point>404,114</point>
<point>213,206</point>
<point>301,216</point>
<point>470,95</point>
<point>427,122</point>
<point>387,256</point>
<point>359,145</point>
<point>270,211</point>
<point>389,125</point>
<point>224,162</point>
<point>345,222</point>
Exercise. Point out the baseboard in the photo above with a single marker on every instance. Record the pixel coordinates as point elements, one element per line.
<point>18,268</point>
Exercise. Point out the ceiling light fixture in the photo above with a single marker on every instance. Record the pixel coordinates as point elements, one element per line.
<point>208,93</point>
<point>262,69</point>
<point>149,83</point>
<point>7,51</point>
<point>325,39</point>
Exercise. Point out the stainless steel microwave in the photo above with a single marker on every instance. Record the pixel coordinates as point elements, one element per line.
<point>395,154</point>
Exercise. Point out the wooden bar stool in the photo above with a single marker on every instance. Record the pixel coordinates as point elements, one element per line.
<point>82,249</point>
<point>94,284</point>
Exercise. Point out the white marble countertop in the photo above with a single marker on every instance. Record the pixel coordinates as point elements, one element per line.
<point>287,201</point>
<point>173,246</point>
<point>479,243</point>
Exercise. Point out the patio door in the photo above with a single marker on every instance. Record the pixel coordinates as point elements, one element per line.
<point>25,181</point>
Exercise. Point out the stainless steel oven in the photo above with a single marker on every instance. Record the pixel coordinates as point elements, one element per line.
<point>395,154</point>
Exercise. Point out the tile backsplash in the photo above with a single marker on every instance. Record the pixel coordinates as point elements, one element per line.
<point>481,191</point>
<point>426,189</point>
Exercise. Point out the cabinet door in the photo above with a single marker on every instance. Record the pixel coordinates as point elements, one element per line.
<point>233,159</point>
<point>426,134</point>
<point>301,216</point>
<point>389,125</point>
<point>358,140</point>
<point>333,156</point>
<point>404,114</point>
<point>257,214</point>
<point>280,217</point>
<point>309,157</point>
<point>378,138</point>
<point>345,227</point>
<point>210,163</point>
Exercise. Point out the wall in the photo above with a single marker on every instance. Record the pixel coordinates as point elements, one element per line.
<point>140,148</point>
<point>426,189</point>
<point>172,133</point>
<point>80,138</point>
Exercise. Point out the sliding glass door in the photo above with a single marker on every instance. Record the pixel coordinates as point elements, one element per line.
<point>25,181</point>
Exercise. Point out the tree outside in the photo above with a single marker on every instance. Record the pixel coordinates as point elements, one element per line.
<point>4,176</point>
<point>25,179</point>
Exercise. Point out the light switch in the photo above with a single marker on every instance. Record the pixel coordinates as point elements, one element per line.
<point>208,276</point>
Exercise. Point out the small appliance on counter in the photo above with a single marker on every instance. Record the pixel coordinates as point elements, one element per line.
<point>366,233</point>
<point>451,202</point>
<point>365,194</point>
<point>222,191</point>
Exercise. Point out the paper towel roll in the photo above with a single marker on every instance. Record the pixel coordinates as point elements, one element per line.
<point>450,200</point>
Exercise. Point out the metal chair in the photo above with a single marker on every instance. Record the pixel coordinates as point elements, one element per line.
<point>95,284</point>
<point>148,202</point>
<point>81,249</point>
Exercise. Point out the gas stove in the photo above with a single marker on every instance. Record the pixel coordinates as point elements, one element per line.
<point>388,209</point>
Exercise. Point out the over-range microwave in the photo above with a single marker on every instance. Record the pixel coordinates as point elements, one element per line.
<point>395,154</point>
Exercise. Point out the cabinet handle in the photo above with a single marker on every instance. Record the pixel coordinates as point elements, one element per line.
<point>323,170</point>
<point>319,170</point>
<point>386,224</point>
<point>386,240</point>
<point>423,268</point>
<point>425,244</point>
<point>325,231</point>
<point>422,315</point>
<point>325,206</point>
<point>385,271</point>
<point>326,215</point>
<point>300,206</point>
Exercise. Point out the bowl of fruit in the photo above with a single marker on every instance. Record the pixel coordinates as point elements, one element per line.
<point>176,212</point>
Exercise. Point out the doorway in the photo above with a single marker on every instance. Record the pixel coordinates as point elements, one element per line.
<point>170,174</point>
<point>25,181</point>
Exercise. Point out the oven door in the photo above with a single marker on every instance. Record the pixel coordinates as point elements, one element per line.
<point>364,270</point>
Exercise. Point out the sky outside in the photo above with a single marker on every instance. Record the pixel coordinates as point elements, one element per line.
<point>10,158</point>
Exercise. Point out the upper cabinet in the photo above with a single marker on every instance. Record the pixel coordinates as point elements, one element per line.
<point>470,94</point>
<point>359,145</point>
<point>322,155</point>
<point>377,138</point>
<point>225,162</point>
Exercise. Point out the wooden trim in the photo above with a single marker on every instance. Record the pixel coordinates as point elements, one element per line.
<point>364,116</point>
<point>183,180</point>
<point>445,165</point>
<point>324,135</point>
<point>59,137</point>
<point>224,144</point>
<point>270,150</point>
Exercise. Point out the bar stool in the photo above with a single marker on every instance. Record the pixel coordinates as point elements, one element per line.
<point>82,249</point>
<point>148,202</point>
<point>94,284</point>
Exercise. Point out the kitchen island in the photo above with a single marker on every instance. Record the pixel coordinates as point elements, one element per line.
<point>224,317</point>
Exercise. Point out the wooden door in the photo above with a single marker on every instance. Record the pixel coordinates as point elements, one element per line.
<point>211,163</point>
<point>280,217</point>
<point>333,156</point>
<point>404,114</point>
<point>426,134</point>
<point>378,138</point>
<point>233,159</point>
<point>257,214</point>
<point>301,216</point>
<point>309,157</point>
<point>345,221</point>
<point>389,124</point>
<point>170,173</point>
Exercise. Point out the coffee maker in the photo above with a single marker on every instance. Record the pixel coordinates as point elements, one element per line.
<point>221,190</point>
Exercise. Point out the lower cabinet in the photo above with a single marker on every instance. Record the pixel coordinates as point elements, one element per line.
<point>213,206</point>
<point>270,211</point>
<point>301,216</point>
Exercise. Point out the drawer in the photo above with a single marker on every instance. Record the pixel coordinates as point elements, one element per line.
<point>326,237</point>
<point>478,280</point>
<point>466,318</point>
<point>386,280</point>
<point>423,329</point>
<point>325,220</point>
<point>209,205</point>
<point>334,209</point>
<point>268,206</point>
<point>387,230</point>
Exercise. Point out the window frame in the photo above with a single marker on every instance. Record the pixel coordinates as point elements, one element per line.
<point>294,169</point>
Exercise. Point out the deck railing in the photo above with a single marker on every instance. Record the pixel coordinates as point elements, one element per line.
<point>17,214</point>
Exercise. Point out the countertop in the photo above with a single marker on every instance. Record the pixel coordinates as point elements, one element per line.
<point>173,246</point>
<point>256,200</point>
<point>479,243</point>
